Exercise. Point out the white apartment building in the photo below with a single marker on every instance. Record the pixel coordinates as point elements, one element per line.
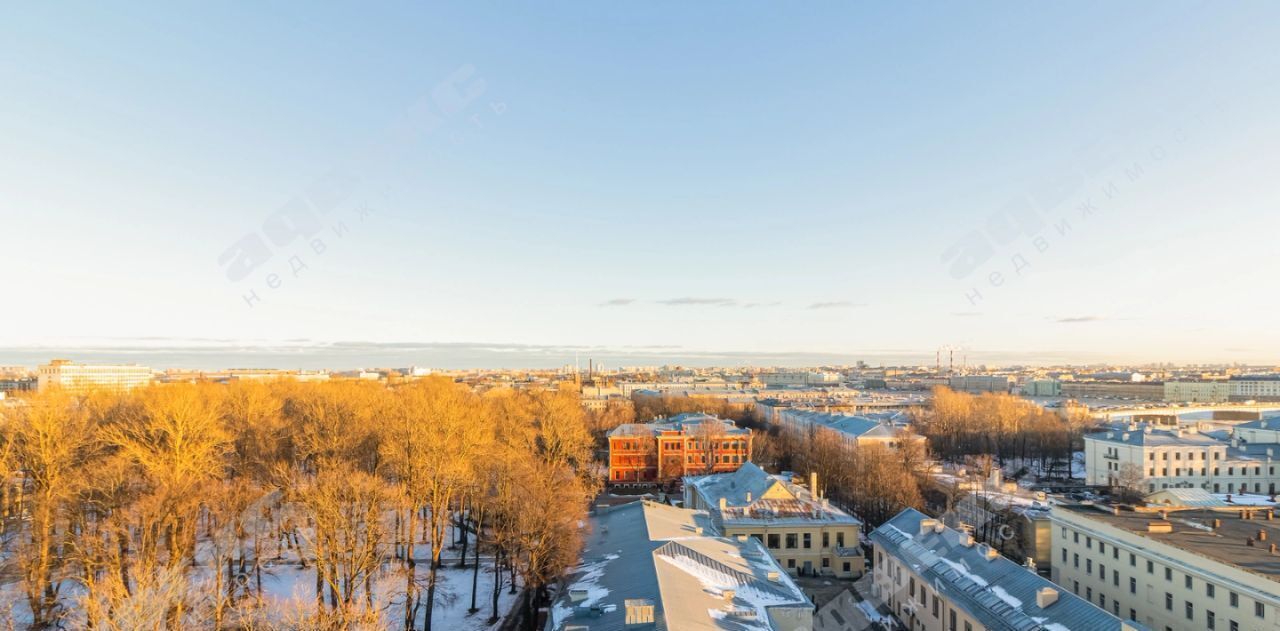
<point>1182,457</point>
<point>1255,389</point>
<point>1196,568</point>
<point>79,378</point>
<point>781,379</point>
<point>935,578</point>
<point>1197,391</point>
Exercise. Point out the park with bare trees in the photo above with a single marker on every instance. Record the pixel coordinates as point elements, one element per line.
<point>289,505</point>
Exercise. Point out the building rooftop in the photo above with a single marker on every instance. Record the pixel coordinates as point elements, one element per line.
<point>998,593</point>
<point>688,422</point>
<point>753,496</point>
<point>648,554</point>
<point>1148,436</point>
<point>1194,532</point>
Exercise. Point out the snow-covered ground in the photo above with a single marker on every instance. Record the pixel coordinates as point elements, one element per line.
<point>288,592</point>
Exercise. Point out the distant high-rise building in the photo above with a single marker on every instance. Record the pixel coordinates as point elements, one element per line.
<point>78,378</point>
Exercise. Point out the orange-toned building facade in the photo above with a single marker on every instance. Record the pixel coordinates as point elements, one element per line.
<point>688,444</point>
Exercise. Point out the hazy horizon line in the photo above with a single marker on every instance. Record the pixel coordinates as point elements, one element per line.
<point>304,353</point>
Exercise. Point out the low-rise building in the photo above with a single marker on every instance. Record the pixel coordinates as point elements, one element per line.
<point>1042,388</point>
<point>886,429</point>
<point>979,383</point>
<point>935,578</point>
<point>800,528</point>
<point>672,449</point>
<point>651,566</point>
<point>1199,568</point>
<point>1147,458</point>
<point>1118,389</point>
<point>65,375</point>
<point>1197,391</point>
<point>1254,388</point>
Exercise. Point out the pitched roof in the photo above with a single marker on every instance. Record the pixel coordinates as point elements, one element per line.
<point>665,555</point>
<point>753,496</point>
<point>998,593</point>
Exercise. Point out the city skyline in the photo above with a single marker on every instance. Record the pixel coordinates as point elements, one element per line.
<point>1047,185</point>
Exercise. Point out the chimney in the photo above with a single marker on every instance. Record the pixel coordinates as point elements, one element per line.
<point>1217,523</point>
<point>1273,548</point>
<point>989,552</point>
<point>926,525</point>
<point>748,497</point>
<point>724,503</point>
<point>1030,564</point>
<point>697,530</point>
<point>813,483</point>
<point>774,577</point>
<point>966,539</point>
<point>1249,542</point>
<point>1046,596</point>
<point>1262,535</point>
<point>728,595</point>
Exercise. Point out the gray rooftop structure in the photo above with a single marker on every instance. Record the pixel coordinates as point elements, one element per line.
<point>998,593</point>
<point>662,568</point>
<point>1221,535</point>
<point>688,422</point>
<point>753,496</point>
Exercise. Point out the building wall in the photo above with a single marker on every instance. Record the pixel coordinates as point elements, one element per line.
<point>912,600</point>
<point>821,553</point>
<point>1101,561</point>
<point>1179,466</point>
<point>1197,391</point>
<point>673,455</point>
<point>80,378</point>
<point>1113,389</point>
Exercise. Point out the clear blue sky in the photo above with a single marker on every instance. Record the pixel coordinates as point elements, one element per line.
<point>699,176</point>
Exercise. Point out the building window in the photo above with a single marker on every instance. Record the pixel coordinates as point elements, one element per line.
<point>1260,610</point>
<point>826,562</point>
<point>1208,590</point>
<point>1133,559</point>
<point>826,540</point>
<point>846,566</point>
<point>1186,580</point>
<point>839,539</point>
<point>1133,585</point>
<point>807,541</point>
<point>791,540</point>
<point>1168,601</point>
<point>1234,599</point>
<point>1151,568</point>
<point>1209,621</point>
<point>1064,555</point>
<point>1168,574</point>
<point>1075,560</point>
<point>773,542</point>
<point>791,563</point>
<point>1191,611</point>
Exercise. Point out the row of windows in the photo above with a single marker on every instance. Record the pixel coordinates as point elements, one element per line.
<point>1189,609</point>
<point>1188,581</point>
<point>924,597</point>
<point>774,540</point>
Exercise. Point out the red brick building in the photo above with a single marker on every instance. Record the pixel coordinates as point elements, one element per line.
<point>687,444</point>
